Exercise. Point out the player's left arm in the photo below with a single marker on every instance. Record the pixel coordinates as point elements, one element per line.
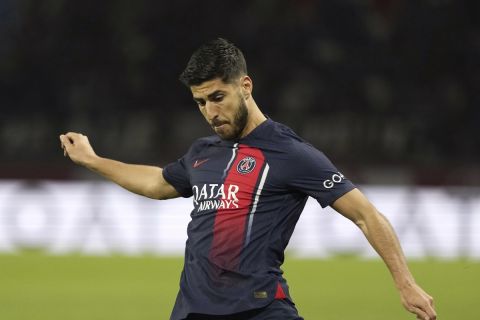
<point>356,207</point>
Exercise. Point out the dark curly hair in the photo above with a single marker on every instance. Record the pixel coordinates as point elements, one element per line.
<point>218,58</point>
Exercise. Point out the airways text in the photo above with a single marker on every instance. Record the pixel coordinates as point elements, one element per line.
<point>215,196</point>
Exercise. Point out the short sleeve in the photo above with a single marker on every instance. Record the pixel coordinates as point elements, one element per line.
<point>177,175</point>
<point>312,173</point>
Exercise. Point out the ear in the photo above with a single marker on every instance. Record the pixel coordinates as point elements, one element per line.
<point>247,87</point>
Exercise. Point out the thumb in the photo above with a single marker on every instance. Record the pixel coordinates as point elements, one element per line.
<point>65,143</point>
<point>65,140</point>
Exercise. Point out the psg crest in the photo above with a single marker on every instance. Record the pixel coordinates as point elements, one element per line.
<point>246,165</point>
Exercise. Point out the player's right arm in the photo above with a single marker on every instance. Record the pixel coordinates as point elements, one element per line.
<point>141,179</point>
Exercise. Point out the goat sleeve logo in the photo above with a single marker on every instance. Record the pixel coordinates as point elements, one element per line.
<point>336,178</point>
<point>246,165</point>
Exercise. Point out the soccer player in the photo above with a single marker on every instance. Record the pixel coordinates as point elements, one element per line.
<point>249,184</point>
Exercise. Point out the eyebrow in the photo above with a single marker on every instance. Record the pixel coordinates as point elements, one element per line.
<point>210,96</point>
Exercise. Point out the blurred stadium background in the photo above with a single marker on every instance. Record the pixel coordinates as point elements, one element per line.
<point>388,89</point>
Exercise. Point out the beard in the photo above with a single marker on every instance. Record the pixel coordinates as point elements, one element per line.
<point>238,125</point>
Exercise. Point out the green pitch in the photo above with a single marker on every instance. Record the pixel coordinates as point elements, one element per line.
<point>41,287</point>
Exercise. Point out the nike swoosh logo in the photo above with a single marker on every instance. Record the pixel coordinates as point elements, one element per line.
<point>199,163</point>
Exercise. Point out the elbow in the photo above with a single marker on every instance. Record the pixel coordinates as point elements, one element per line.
<point>156,195</point>
<point>163,192</point>
<point>367,216</point>
<point>161,197</point>
<point>362,225</point>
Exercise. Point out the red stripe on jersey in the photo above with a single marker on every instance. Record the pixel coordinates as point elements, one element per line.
<point>229,227</point>
<point>280,294</point>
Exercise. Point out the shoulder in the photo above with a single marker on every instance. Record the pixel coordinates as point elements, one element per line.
<point>283,136</point>
<point>290,155</point>
<point>297,155</point>
<point>297,147</point>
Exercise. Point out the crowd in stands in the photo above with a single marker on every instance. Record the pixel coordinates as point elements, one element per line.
<point>391,83</point>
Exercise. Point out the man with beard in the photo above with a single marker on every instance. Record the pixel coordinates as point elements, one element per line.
<point>249,184</point>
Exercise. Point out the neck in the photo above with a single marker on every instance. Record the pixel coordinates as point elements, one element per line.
<point>255,117</point>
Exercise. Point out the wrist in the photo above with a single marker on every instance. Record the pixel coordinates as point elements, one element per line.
<point>402,278</point>
<point>404,283</point>
<point>92,162</point>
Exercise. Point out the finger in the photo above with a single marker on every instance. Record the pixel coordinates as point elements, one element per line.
<point>429,309</point>
<point>65,144</point>
<point>72,136</point>
<point>420,313</point>
<point>65,141</point>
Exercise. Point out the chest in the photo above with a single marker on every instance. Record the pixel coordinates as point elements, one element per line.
<point>228,178</point>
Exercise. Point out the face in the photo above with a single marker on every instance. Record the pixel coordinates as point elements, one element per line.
<point>223,106</point>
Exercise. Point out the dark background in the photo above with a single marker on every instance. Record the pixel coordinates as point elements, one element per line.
<point>388,89</point>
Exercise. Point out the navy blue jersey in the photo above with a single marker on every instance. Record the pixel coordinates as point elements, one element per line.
<point>247,196</point>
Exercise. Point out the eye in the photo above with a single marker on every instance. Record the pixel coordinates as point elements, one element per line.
<point>218,98</point>
<point>200,102</point>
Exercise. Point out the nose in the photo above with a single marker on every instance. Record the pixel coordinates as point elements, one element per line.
<point>211,110</point>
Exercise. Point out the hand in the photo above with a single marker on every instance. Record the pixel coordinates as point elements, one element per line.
<point>77,148</point>
<point>417,301</point>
